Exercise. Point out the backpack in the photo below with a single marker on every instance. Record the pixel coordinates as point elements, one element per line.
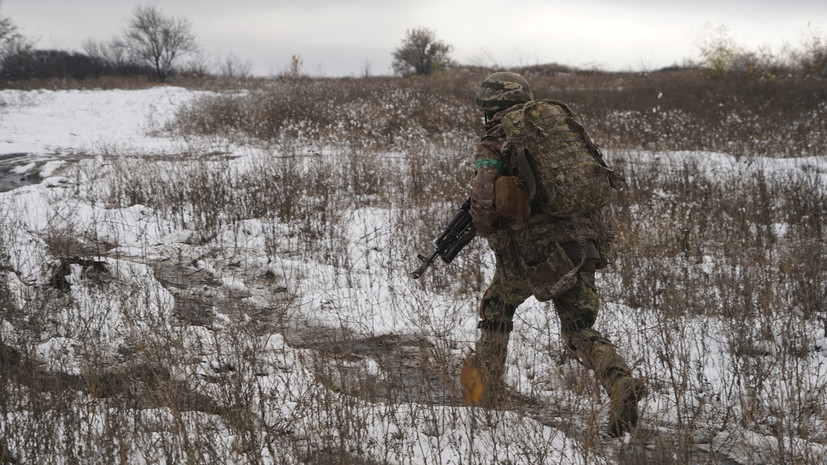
<point>562,168</point>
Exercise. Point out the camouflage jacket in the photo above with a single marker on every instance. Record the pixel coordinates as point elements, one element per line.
<point>494,157</point>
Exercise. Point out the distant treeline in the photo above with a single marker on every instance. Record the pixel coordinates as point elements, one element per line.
<point>47,64</point>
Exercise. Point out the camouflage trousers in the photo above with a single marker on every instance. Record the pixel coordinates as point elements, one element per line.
<point>577,309</point>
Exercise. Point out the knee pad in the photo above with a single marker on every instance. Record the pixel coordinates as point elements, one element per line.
<point>583,339</point>
<point>496,307</point>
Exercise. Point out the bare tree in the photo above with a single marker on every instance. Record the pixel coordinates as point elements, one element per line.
<point>7,29</point>
<point>421,53</point>
<point>11,41</point>
<point>158,40</point>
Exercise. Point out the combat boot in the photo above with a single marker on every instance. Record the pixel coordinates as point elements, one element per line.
<point>486,369</point>
<point>624,395</point>
<point>479,385</point>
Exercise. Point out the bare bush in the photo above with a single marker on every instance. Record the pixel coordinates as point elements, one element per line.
<point>231,66</point>
<point>421,53</point>
<point>718,49</point>
<point>813,57</point>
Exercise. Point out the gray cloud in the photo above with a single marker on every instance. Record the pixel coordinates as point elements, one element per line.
<point>336,37</point>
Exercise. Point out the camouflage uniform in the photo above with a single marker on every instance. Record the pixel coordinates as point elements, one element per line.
<point>540,258</point>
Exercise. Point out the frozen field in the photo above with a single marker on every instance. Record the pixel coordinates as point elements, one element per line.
<point>135,332</point>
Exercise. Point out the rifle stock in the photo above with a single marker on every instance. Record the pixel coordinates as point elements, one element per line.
<point>459,232</point>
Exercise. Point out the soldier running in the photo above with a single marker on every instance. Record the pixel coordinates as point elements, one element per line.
<point>550,257</point>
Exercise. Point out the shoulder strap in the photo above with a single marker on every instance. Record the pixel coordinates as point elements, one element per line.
<point>527,171</point>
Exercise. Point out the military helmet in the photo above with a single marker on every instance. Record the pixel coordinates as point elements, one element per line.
<point>502,90</point>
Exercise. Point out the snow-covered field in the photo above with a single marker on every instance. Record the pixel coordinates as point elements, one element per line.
<point>129,334</point>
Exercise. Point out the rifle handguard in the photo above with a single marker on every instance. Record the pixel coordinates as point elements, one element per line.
<point>455,247</point>
<point>459,232</point>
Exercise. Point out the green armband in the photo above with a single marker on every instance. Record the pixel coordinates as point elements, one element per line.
<point>490,162</point>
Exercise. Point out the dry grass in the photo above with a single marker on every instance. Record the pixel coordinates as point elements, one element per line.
<point>737,256</point>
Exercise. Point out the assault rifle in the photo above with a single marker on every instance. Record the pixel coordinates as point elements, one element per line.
<point>457,234</point>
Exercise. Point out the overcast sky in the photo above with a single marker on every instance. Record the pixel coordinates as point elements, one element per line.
<point>349,37</point>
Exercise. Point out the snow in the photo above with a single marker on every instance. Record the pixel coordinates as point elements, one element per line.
<point>133,307</point>
<point>89,121</point>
